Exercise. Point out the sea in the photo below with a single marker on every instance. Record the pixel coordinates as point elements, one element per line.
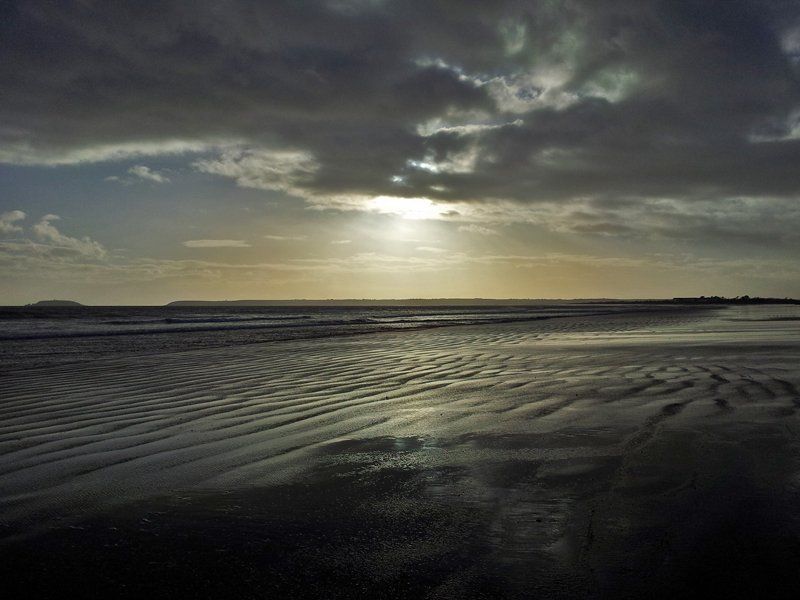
<point>34,336</point>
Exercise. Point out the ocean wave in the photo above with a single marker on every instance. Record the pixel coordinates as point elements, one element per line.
<point>302,329</point>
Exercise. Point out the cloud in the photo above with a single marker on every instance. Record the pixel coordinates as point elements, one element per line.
<point>417,208</point>
<point>216,244</point>
<point>7,220</point>
<point>340,242</point>
<point>86,247</point>
<point>143,172</point>
<point>510,107</point>
<point>285,238</point>
<point>263,169</point>
<point>277,78</point>
<point>27,263</point>
<point>20,150</point>
<point>479,229</point>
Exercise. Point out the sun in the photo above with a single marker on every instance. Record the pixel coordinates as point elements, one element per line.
<point>407,208</point>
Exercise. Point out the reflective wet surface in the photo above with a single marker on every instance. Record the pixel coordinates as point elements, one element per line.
<point>659,460</point>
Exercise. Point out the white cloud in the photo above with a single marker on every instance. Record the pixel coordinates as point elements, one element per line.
<point>216,244</point>
<point>407,208</point>
<point>457,162</point>
<point>523,92</point>
<point>45,230</point>
<point>440,125</point>
<point>280,170</point>
<point>479,229</point>
<point>371,262</point>
<point>7,220</point>
<point>286,238</point>
<point>143,172</point>
<point>340,242</point>
<point>22,153</point>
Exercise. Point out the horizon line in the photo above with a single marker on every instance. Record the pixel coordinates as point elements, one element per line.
<point>459,299</point>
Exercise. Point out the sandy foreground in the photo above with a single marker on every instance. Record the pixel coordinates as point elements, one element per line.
<point>646,455</point>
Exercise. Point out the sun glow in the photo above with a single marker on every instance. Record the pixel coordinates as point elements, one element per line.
<point>408,208</point>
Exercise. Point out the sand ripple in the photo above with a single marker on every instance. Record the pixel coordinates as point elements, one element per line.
<point>569,394</point>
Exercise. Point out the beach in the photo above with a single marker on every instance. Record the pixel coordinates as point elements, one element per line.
<point>641,452</point>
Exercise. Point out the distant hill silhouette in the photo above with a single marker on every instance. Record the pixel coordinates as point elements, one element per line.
<point>415,302</point>
<point>473,301</point>
<point>737,300</point>
<point>381,302</point>
<point>52,303</point>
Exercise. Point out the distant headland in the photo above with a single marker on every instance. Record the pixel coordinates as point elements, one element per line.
<point>413,302</point>
<point>474,301</point>
<point>55,303</point>
<point>736,300</point>
<point>374,302</point>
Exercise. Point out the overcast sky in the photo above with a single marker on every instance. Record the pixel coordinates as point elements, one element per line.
<point>151,151</point>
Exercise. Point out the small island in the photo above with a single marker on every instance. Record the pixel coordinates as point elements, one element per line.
<point>54,303</point>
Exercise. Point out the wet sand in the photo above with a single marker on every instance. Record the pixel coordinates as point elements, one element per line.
<point>644,455</point>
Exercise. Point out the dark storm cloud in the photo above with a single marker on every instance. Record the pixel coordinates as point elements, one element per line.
<point>709,111</point>
<point>307,75</point>
<point>470,101</point>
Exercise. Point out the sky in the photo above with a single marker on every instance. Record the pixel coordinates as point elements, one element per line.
<point>237,149</point>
